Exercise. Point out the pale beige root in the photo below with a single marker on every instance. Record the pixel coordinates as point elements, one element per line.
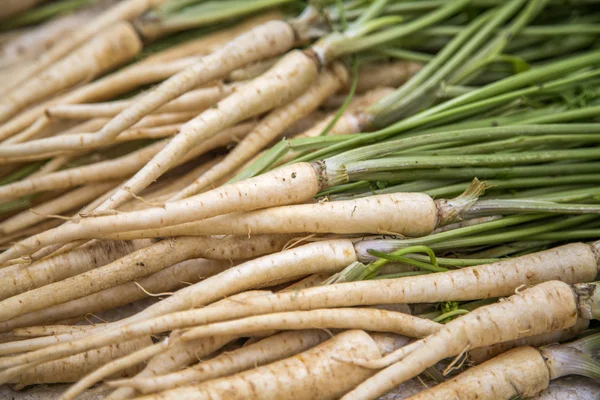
<point>407,214</point>
<point>337,318</point>
<point>273,348</point>
<point>391,74</point>
<point>179,355</point>
<point>125,10</point>
<point>182,354</point>
<point>519,372</point>
<point>50,330</point>
<point>271,126</point>
<point>546,307</point>
<point>309,375</point>
<point>320,257</point>
<point>162,282</point>
<point>73,368</point>
<point>285,81</point>
<point>252,71</point>
<point>24,277</point>
<point>12,7</point>
<point>56,206</point>
<point>114,46</point>
<point>482,354</point>
<point>268,39</point>
<point>310,281</point>
<point>116,168</point>
<point>289,185</point>
<point>113,367</point>
<point>41,227</point>
<point>33,120</point>
<point>352,120</point>
<point>161,191</point>
<point>195,100</point>
<point>211,42</point>
<point>328,256</point>
<point>571,263</point>
<point>68,178</point>
<point>135,265</point>
<point>34,41</point>
<point>153,69</point>
<point>388,342</point>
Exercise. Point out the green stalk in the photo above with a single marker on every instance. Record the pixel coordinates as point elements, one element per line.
<point>518,183</point>
<point>495,47</point>
<point>397,98</point>
<point>578,234</point>
<point>337,46</point>
<point>389,245</point>
<point>512,235</point>
<point>457,262</point>
<point>362,169</point>
<point>522,142</point>
<point>407,55</point>
<point>536,31</point>
<point>484,98</point>
<point>560,169</point>
<point>496,207</point>
<point>450,314</point>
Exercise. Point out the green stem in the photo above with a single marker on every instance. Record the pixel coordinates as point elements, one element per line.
<point>496,46</point>
<point>512,235</point>
<point>344,45</point>
<point>393,244</point>
<point>450,314</point>
<point>363,169</point>
<point>560,169</point>
<point>496,207</point>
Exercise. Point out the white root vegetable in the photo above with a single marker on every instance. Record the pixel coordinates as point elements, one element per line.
<point>337,318</point>
<point>161,282</point>
<point>135,265</point>
<point>101,171</point>
<point>285,81</point>
<point>329,257</point>
<point>116,168</point>
<point>522,372</point>
<point>195,100</point>
<point>482,354</point>
<point>56,206</point>
<point>571,263</point>
<point>273,348</point>
<point>407,214</point>
<point>23,278</point>
<point>211,42</point>
<point>114,46</point>
<point>271,126</point>
<point>50,330</point>
<point>310,281</point>
<point>153,69</point>
<point>125,10</point>
<point>546,307</point>
<point>264,40</point>
<point>312,374</point>
<point>182,354</point>
<point>293,184</point>
<point>33,42</point>
<point>74,368</point>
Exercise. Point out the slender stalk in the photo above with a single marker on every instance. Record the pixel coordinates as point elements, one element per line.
<point>361,170</point>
